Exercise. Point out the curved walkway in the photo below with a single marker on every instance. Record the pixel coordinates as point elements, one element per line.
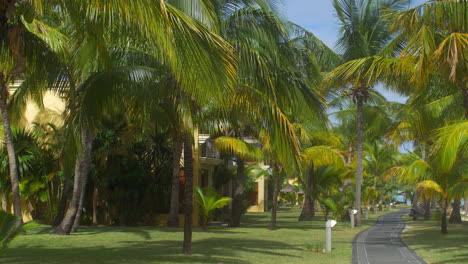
<point>382,244</point>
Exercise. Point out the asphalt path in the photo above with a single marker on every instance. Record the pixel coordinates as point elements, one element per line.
<point>382,243</point>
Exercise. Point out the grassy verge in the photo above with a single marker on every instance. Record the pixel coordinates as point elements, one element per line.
<point>425,238</point>
<point>251,243</point>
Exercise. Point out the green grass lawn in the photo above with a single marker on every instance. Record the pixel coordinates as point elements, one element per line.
<point>425,238</point>
<point>251,243</point>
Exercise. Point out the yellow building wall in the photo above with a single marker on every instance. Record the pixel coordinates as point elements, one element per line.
<point>260,207</point>
<point>53,108</point>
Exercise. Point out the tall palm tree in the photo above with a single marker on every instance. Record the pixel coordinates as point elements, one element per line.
<point>21,49</point>
<point>96,69</point>
<point>425,48</point>
<point>444,173</point>
<point>268,73</point>
<point>362,33</point>
<point>313,158</point>
<point>242,151</point>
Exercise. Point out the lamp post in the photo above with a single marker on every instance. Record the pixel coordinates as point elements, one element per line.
<point>351,216</point>
<point>328,235</point>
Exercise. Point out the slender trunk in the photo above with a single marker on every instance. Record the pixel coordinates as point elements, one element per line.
<point>427,209</point>
<point>308,206</point>
<point>12,164</point>
<point>414,201</point>
<point>238,196</point>
<point>4,202</point>
<point>95,205</point>
<point>76,221</point>
<point>173,220</point>
<point>81,173</point>
<point>350,154</point>
<point>276,178</point>
<point>63,200</point>
<point>443,222</point>
<point>359,168</point>
<point>465,201</point>
<point>188,191</point>
<point>455,216</point>
<point>382,190</point>
<point>88,150</point>
<point>375,182</point>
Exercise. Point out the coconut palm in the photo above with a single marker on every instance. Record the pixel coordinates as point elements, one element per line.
<point>87,51</point>
<point>21,49</point>
<point>268,76</point>
<point>363,34</point>
<point>242,151</point>
<point>444,173</point>
<point>314,158</point>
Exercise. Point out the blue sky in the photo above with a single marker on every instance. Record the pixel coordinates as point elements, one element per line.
<point>318,16</point>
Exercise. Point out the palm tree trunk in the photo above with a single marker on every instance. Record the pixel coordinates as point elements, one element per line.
<point>4,202</point>
<point>188,191</point>
<point>381,196</point>
<point>427,209</point>
<point>350,154</point>
<point>455,216</point>
<point>274,208</point>
<point>76,221</point>
<point>81,174</point>
<point>63,200</point>
<point>238,196</point>
<point>443,222</point>
<point>307,208</point>
<point>359,168</point>
<point>95,201</point>
<point>14,176</point>
<point>414,201</point>
<point>465,201</point>
<point>173,220</point>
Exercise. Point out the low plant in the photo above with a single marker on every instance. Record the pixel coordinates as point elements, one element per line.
<point>208,200</point>
<point>314,247</point>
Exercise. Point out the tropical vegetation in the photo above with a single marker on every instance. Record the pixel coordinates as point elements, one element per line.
<point>178,112</point>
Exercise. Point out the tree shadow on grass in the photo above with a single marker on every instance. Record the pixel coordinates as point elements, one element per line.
<point>212,250</point>
<point>426,236</point>
<point>143,232</point>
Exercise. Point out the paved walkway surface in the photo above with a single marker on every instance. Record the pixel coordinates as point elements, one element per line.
<point>382,244</point>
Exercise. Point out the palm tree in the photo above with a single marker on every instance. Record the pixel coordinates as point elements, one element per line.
<point>363,34</point>
<point>20,49</point>
<point>242,151</point>
<point>147,21</point>
<point>426,46</point>
<point>314,158</point>
<point>209,200</point>
<point>444,173</point>
<point>267,75</point>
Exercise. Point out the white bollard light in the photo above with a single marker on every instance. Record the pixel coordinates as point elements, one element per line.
<point>328,235</point>
<point>351,216</point>
<point>367,212</point>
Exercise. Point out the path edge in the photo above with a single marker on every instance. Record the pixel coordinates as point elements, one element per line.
<point>407,246</point>
<point>411,251</point>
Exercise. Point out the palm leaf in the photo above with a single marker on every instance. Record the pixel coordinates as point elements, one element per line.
<point>238,147</point>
